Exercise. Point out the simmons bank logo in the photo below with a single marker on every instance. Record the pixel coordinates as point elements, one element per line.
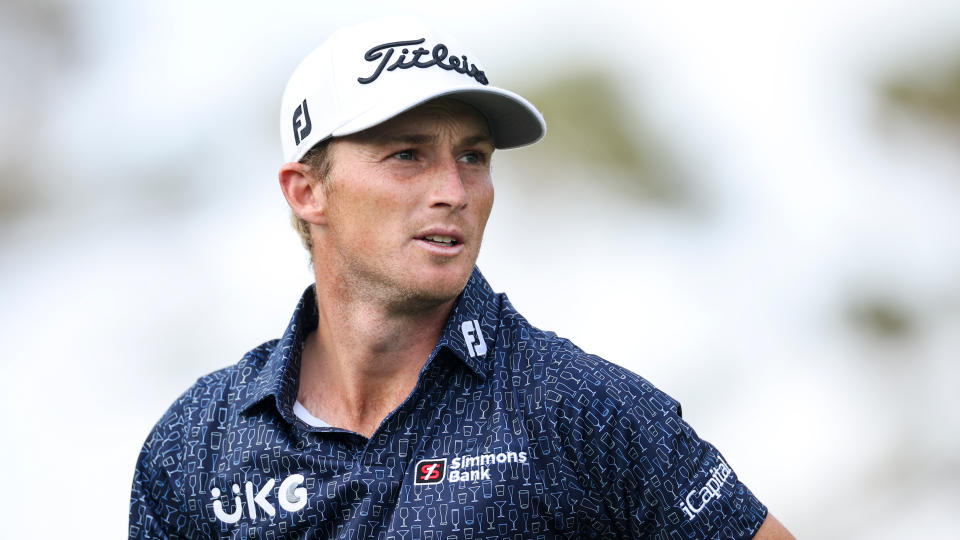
<point>463,468</point>
<point>430,471</point>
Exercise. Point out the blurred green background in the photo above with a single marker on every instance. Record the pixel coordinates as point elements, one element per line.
<point>755,205</point>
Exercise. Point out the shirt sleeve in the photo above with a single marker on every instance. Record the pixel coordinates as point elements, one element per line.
<point>154,501</point>
<point>651,475</point>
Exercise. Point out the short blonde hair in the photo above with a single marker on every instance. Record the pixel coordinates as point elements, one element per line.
<point>318,163</point>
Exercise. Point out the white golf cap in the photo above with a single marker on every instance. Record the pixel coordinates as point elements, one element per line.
<point>366,74</point>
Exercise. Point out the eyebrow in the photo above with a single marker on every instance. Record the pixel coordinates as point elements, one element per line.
<point>423,138</point>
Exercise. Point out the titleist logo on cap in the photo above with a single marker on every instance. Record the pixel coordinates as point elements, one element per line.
<point>439,56</point>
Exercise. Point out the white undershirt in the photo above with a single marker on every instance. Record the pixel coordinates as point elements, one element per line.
<point>302,413</point>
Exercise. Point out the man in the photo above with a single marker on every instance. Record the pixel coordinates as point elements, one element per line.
<point>406,399</point>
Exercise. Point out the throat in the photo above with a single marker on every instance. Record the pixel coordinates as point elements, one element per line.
<point>360,419</point>
<point>350,392</point>
<point>363,360</point>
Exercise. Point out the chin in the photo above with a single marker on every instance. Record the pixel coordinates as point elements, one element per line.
<point>432,288</point>
<point>446,283</point>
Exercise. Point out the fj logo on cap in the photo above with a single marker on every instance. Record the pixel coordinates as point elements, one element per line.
<point>300,131</point>
<point>430,471</point>
<point>439,56</point>
<point>476,346</point>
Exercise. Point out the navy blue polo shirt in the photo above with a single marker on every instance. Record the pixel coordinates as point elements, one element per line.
<point>510,432</point>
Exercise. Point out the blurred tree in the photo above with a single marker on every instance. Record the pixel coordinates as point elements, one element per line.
<point>38,44</point>
<point>881,318</point>
<point>925,90</point>
<point>590,123</point>
<point>931,91</point>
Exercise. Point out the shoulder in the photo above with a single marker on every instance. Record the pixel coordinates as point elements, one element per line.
<point>573,381</point>
<point>617,441</point>
<point>205,402</point>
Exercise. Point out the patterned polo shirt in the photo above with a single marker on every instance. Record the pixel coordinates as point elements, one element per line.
<point>510,432</point>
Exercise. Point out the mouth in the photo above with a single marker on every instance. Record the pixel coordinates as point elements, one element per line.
<point>440,240</point>
<point>445,242</point>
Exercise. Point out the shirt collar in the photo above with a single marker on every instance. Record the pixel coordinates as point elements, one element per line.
<point>280,374</point>
<point>470,334</point>
<point>472,327</point>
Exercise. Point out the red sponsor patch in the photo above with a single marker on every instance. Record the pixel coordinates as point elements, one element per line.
<point>430,471</point>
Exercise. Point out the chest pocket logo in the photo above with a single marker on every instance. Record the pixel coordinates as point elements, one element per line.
<point>472,335</point>
<point>430,471</point>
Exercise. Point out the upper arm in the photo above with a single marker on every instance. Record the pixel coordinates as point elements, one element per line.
<point>150,498</point>
<point>155,496</point>
<point>772,529</point>
<point>667,479</point>
<point>146,511</point>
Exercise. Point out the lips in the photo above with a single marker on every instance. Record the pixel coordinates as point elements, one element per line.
<point>440,240</point>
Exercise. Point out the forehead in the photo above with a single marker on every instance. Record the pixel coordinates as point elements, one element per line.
<point>439,118</point>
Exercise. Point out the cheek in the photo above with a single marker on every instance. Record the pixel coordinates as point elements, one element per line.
<point>371,214</point>
<point>484,202</point>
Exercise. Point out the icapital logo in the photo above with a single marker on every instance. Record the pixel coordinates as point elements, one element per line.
<point>709,492</point>
<point>463,468</point>
<point>290,496</point>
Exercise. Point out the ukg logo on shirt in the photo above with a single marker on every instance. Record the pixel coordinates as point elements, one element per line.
<point>291,497</point>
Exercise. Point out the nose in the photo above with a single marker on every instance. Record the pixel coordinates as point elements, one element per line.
<point>448,190</point>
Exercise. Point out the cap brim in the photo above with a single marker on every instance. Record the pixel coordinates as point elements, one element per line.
<point>513,120</point>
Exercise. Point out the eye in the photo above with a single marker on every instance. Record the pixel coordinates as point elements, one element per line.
<point>404,155</point>
<point>473,158</point>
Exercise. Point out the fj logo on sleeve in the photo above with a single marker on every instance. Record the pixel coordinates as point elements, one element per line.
<point>472,335</point>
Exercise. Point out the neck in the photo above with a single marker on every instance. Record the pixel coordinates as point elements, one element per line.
<point>364,358</point>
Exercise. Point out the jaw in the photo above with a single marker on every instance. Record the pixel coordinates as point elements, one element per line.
<point>404,274</point>
<point>426,292</point>
<point>406,285</point>
<point>442,272</point>
<point>439,273</point>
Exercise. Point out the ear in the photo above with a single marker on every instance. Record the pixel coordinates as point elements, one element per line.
<point>303,192</point>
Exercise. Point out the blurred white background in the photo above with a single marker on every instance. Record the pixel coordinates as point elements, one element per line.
<point>754,205</point>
